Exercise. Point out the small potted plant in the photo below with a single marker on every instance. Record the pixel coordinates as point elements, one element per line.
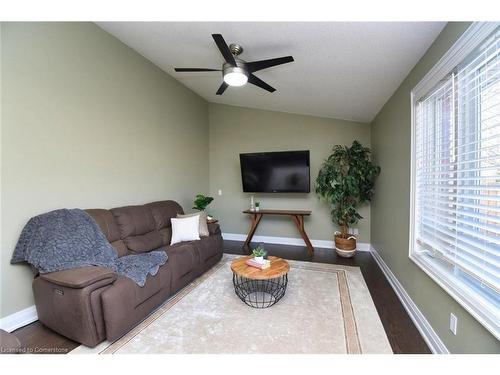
<point>345,181</point>
<point>258,254</point>
<point>257,206</point>
<point>201,202</point>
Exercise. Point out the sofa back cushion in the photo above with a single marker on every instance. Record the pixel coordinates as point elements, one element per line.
<point>106,222</point>
<point>137,228</point>
<point>162,212</point>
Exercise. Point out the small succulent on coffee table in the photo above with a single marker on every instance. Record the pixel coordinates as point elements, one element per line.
<point>259,252</point>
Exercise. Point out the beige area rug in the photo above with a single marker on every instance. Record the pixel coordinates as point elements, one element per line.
<point>326,309</point>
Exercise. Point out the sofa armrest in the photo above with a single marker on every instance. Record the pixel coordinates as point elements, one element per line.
<point>79,278</point>
<point>213,228</point>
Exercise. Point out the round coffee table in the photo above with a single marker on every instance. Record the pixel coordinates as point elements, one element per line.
<point>260,288</point>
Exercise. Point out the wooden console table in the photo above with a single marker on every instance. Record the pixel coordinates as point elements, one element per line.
<point>297,217</point>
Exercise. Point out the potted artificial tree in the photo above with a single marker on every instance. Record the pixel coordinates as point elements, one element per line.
<point>345,181</point>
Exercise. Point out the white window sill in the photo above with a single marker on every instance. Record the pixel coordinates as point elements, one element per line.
<point>481,308</point>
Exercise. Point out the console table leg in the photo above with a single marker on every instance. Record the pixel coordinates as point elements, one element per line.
<point>299,222</point>
<point>253,226</point>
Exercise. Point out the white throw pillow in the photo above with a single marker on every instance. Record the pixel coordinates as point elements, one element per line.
<point>185,229</point>
<point>203,230</point>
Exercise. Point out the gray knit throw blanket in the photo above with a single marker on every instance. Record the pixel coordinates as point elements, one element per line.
<point>66,239</point>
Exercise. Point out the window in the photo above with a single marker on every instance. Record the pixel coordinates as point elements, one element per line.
<point>455,211</point>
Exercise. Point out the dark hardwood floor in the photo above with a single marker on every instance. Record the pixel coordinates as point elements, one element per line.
<point>35,338</point>
<point>402,333</point>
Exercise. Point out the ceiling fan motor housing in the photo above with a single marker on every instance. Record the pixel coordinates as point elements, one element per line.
<point>239,68</point>
<point>235,49</point>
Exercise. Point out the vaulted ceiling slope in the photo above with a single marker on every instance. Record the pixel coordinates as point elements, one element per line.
<point>344,70</point>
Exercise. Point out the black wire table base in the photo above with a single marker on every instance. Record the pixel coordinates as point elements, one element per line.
<point>260,293</point>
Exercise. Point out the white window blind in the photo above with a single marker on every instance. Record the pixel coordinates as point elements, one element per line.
<point>456,181</point>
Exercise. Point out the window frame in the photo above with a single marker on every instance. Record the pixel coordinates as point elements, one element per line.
<point>460,291</point>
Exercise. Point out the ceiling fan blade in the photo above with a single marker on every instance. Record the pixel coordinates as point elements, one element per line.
<point>196,70</point>
<point>224,49</point>
<point>254,80</point>
<point>222,88</point>
<point>263,64</point>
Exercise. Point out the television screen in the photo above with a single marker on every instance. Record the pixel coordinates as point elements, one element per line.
<point>275,172</point>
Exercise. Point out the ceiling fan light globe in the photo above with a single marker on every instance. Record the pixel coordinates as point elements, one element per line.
<point>235,78</point>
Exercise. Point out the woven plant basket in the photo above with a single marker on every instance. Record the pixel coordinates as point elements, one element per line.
<point>345,247</point>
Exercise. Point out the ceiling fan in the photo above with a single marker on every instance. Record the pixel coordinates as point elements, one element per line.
<point>237,72</point>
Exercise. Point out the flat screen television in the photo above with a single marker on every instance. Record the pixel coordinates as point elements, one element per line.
<point>275,172</point>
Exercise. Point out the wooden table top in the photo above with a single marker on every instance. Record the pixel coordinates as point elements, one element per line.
<point>279,267</point>
<point>278,212</point>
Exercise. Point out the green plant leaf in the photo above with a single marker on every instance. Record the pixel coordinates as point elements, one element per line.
<point>201,202</point>
<point>345,181</point>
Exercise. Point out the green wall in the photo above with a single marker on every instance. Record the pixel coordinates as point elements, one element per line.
<point>88,122</point>
<point>390,140</point>
<point>235,130</point>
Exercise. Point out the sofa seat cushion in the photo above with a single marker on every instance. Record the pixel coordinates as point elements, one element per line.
<point>144,243</point>
<point>124,304</point>
<point>182,258</point>
<point>120,248</point>
<point>152,286</point>
<point>208,247</point>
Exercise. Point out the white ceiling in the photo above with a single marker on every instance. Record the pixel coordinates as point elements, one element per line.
<point>344,70</point>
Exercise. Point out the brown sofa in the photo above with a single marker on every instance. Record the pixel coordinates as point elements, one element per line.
<point>91,304</point>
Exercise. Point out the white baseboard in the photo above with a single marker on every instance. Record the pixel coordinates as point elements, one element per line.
<point>429,335</point>
<point>289,241</point>
<point>19,319</point>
